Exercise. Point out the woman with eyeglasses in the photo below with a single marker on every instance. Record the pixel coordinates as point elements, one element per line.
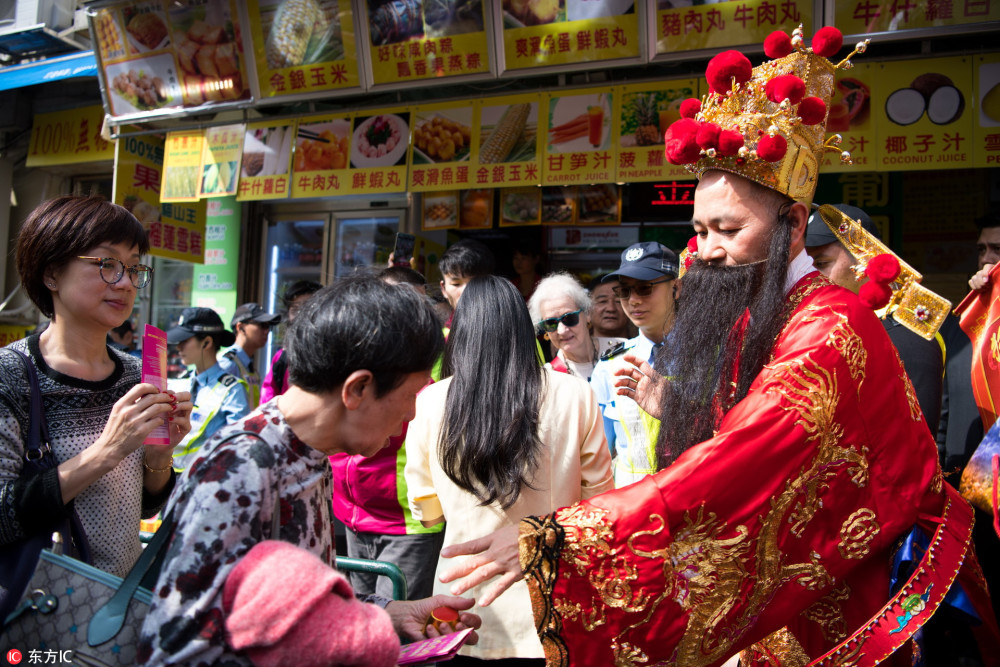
<point>79,262</point>
<point>499,439</point>
<point>560,307</point>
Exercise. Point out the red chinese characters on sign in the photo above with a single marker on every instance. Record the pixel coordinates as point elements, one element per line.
<point>309,78</point>
<point>674,194</point>
<point>599,39</point>
<point>418,59</point>
<point>146,178</point>
<point>905,11</point>
<point>268,185</point>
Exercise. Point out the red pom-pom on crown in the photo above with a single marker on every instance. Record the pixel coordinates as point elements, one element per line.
<point>777,45</point>
<point>812,111</point>
<point>680,145</point>
<point>725,68</point>
<point>827,41</point>
<point>786,86</point>
<point>690,107</point>
<point>772,149</point>
<point>883,268</point>
<point>692,245</point>
<point>708,136</point>
<point>730,143</point>
<point>875,295</point>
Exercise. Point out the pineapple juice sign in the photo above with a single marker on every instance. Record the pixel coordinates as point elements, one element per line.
<point>645,111</point>
<point>411,40</point>
<point>924,112</point>
<point>442,146</point>
<point>303,46</point>
<point>220,160</point>
<point>507,137</point>
<point>578,146</point>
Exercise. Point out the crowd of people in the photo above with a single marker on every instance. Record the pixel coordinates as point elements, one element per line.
<point>727,456</point>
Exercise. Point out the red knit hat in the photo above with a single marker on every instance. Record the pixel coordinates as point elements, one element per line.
<point>284,606</point>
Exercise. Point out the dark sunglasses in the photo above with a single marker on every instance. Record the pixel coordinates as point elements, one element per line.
<point>569,319</point>
<point>624,291</point>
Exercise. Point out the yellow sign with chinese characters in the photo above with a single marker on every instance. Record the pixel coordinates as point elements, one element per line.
<point>442,146</point>
<point>578,146</point>
<point>507,139</point>
<point>430,58</point>
<point>563,41</point>
<point>322,147</point>
<point>265,172</point>
<point>858,17</point>
<point>728,23</point>
<point>923,114</point>
<point>986,72</point>
<point>69,137</point>
<point>850,116</point>
<point>182,166</point>
<point>303,46</point>
<point>644,112</point>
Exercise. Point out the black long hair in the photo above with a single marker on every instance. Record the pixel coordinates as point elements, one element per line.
<point>489,443</point>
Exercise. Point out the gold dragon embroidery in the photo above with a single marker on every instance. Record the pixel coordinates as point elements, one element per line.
<point>779,649</point>
<point>828,612</point>
<point>845,341</point>
<point>857,533</point>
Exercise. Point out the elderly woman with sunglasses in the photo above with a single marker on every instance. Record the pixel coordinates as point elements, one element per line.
<point>79,261</point>
<point>560,307</point>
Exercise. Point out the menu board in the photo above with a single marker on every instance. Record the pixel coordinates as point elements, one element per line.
<point>547,33</point>
<point>220,160</point>
<point>858,17</point>
<point>176,231</point>
<point>850,116</point>
<point>924,114</point>
<point>508,144</point>
<point>728,23</point>
<point>578,146</point>
<point>158,56</point>
<point>364,153</point>
<point>598,204</point>
<point>477,209</point>
<point>265,170</point>
<point>182,166</point>
<point>439,210</point>
<point>442,148</point>
<point>986,71</point>
<point>303,46</point>
<point>644,112</point>
<point>520,206</point>
<point>412,40</point>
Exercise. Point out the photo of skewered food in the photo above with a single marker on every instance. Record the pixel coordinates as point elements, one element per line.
<point>109,36</point>
<point>391,21</point>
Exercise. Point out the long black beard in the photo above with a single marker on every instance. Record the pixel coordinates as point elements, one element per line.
<point>705,346</point>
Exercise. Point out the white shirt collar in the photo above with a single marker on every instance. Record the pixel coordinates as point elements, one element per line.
<point>797,269</point>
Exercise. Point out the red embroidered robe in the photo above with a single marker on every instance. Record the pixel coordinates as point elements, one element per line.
<point>777,532</point>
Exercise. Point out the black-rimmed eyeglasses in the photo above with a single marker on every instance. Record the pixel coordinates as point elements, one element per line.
<point>113,269</point>
<point>625,291</point>
<point>552,323</point>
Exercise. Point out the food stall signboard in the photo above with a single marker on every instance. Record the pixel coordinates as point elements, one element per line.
<point>644,112</point>
<point>158,57</point>
<point>987,137</point>
<point>850,116</point>
<point>355,154</point>
<point>439,210</point>
<point>547,33</point>
<point>69,137</point>
<point>176,230</point>
<point>859,17</point>
<point>577,143</point>
<point>303,46</point>
<point>924,114</point>
<point>728,23</point>
<point>520,206</point>
<point>442,147</point>
<point>265,171</point>
<point>220,160</point>
<point>412,40</point>
<point>182,166</point>
<point>507,141</point>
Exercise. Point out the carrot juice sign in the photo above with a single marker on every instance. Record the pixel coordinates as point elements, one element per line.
<point>578,146</point>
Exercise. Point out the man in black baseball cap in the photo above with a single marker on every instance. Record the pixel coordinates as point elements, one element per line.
<point>647,292</point>
<point>829,255</point>
<point>252,325</point>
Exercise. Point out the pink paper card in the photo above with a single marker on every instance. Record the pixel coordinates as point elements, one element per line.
<point>154,371</point>
<point>436,649</point>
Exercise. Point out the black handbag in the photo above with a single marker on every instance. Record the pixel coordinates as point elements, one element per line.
<point>18,560</point>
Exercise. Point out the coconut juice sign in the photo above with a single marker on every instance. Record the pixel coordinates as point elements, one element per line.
<point>924,114</point>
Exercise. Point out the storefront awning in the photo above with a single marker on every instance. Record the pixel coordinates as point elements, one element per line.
<point>50,69</point>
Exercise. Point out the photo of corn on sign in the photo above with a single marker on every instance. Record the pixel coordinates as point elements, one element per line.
<point>442,146</point>
<point>182,166</point>
<point>508,153</point>
<point>303,46</point>
<point>644,112</point>
<point>220,160</point>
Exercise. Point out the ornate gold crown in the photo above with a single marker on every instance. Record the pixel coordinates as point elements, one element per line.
<point>765,123</point>
<point>913,305</point>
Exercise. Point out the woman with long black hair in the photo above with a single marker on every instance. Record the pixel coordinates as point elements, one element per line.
<point>499,439</point>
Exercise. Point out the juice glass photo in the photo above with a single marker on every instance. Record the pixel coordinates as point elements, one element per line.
<point>595,125</point>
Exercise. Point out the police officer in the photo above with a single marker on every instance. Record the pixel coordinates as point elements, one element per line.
<point>647,291</point>
<point>219,397</point>
<point>252,325</point>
